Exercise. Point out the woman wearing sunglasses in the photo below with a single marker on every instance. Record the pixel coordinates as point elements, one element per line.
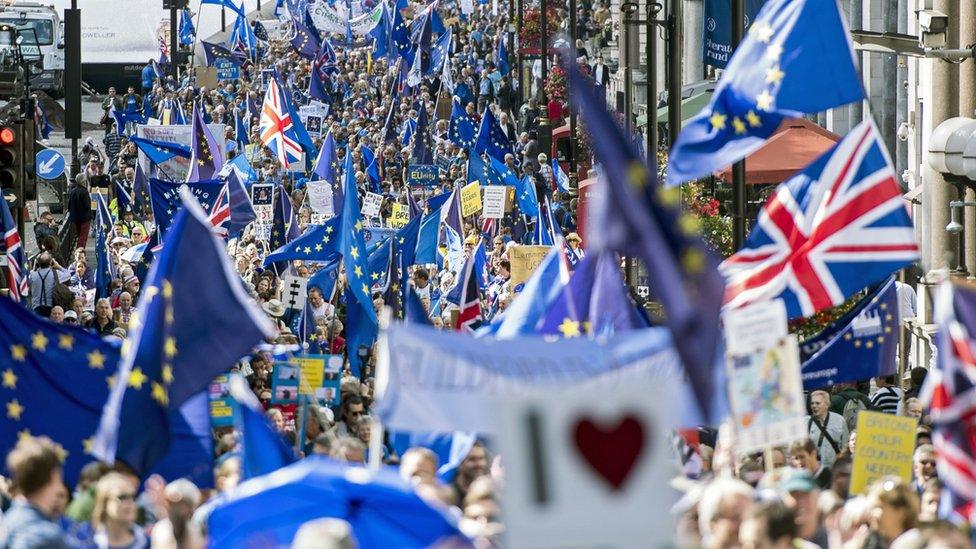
<point>114,514</point>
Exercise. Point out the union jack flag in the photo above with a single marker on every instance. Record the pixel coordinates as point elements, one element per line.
<point>827,232</point>
<point>220,212</point>
<point>277,129</point>
<point>949,394</point>
<point>17,279</point>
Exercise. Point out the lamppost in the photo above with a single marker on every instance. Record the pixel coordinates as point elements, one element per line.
<point>573,165</point>
<point>650,23</point>
<point>739,168</point>
<point>545,130</point>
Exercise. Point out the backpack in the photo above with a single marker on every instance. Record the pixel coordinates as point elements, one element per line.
<point>851,409</point>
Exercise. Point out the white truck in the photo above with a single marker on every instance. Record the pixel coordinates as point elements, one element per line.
<point>42,42</point>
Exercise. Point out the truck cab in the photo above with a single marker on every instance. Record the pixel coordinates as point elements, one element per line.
<point>42,43</point>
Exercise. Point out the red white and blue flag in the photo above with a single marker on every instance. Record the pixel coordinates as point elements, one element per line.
<point>827,232</point>
<point>949,394</point>
<point>17,279</point>
<point>277,129</point>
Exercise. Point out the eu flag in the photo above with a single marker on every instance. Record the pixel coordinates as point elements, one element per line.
<point>401,35</point>
<point>461,128</point>
<point>160,151</point>
<point>187,32</point>
<point>319,243</point>
<point>796,59</point>
<point>526,196</point>
<point>165,198</point>
<point>327,168</point>
<point>206,158</point>
<point>535,298</point>
<point>104,270</point>
<point>213,52</point>
<point>284,225</point>
<point>501,174</point>
<point>482,172</point>
<point>361,319</point>
<point>423,151</point>
<point>491,138</point>
<point>637,217</point>
<point>304,41</point>
<point>502,58</point>
<point>372,168</point>
<point>55,379</point>
<point>179,339</point>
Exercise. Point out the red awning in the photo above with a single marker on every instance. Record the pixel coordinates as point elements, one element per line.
<point>795,144</point>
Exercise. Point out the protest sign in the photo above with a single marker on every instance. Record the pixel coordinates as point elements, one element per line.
<point>320,197</point>
<point>885,444</point>
<point>767,396</point>
<point>315,376</point>
<point>524,260</point>
<point>221,403</point>
<point>326,18</point>
<point>431,380</point>
<point>422,175</point>
<point>470,199</point>
<point>494,202</point>
<point>581,471</point>
<point>757,326</point>
<point>401,216</point>
<point>176,168</point>
<point>206,76</point>
<point>226,69</point>
<point>295,292</point>
<point>285,382</point>
<point>372,204</point>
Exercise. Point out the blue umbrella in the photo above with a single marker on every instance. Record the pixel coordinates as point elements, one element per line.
<point>383,510</point>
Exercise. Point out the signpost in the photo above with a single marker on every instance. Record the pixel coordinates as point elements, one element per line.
<point>49,164</point>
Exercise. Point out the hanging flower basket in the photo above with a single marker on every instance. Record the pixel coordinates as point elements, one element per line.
<point>530,32</point>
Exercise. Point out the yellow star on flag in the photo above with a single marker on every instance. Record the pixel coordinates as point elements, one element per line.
<point>688,224</point>
<point>753,119</point>
<point>764,101</point>
<point>569,328</point>
<point>366,289</point>
<point>354,252</point>
<point>318,247</point>
<point>167,289</point>
<point>67,341</point>
<point>159,394</point>
<point>693,261</point>
<point>328,230</point>
<point>88,444</point>
<point>167,374</point>
<point>358,270</point>
<point>96,360</point>
<point>137,378</point>
<point>24,435</point>
<point>14,409</point>
<point>774,75</point>
<point>308,249</point>
<point>774,51</point>
<point>718,121</point>
<point>170,347</point>
<point>9,379</point>
<point>739,125</point>
<point>18,352</point>
<point>39,342</point>
<point>358,225</point>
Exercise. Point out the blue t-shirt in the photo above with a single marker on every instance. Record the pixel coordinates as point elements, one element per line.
<point>148,75</point>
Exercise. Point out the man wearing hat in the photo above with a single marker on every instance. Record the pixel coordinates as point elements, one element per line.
<point>574,253</point>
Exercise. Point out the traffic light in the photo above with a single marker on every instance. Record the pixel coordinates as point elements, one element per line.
<point>11,158</point>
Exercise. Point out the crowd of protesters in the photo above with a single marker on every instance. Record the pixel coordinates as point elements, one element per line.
<point>792,496</point>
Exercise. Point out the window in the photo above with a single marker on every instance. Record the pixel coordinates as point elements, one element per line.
<point>28,27</point>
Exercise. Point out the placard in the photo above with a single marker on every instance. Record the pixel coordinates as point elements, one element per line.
<point>470,199</point>
<point>524,260</point>
<point>372,204</point>
<point>494,201</point>
<point>226,69</point>
<point>316,376</point>
<point>583,471</point>
<point>885,447</point>
<point>401,215</point>
<point>320,197</point>
<point>423,175</point>
<point>176,168</point>
<point>313,125</point>
<point>295,292</point>
<point>221,403</point>
<point>757,326</point>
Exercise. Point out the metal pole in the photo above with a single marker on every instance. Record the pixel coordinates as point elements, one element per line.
<point>739,168</point>
<point>674,69</point>
<point>75,161</point>
<point>628,84</point>
<point>223,20</point>
<point>573,162</point>
<point>545,129</point>
<point>173,44</point>
<point>524,83</point>
<point>650,52</point>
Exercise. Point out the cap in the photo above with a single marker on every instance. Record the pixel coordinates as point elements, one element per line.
<point>120,240</point>
<point>797,480</point>
<point>71,314</point>
<point>274,307</point>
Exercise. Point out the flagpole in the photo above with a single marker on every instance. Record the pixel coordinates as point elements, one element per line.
<point>738,168</point>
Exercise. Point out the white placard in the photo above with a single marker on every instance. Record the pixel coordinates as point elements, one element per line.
<point>320,197</point>
<point>755,326</point>
<point>493,202</point>
<point>372,204</point>
<point>295,292</point>
<point>583,471</point>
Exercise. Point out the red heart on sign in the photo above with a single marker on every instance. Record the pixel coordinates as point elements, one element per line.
<point>612,453</point>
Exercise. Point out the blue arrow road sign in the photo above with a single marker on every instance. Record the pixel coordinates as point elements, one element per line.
<point>49,164</point>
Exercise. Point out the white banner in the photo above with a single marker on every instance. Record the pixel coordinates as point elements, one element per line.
<point>326,19</point>
<point>431,380</point>
<point>363,24</point>
<point>493,203</point>
<point>176,168</point>
<point>320,197</point>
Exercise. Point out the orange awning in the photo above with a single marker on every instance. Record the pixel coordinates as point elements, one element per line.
<point>795,144</point>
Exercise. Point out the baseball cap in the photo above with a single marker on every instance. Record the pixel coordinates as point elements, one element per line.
<point>70,314</point>
<point>797,480</point>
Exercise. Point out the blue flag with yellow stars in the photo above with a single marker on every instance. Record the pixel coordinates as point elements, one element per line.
<point>639,218</point>
<point>206,158</point>
<point>525,194</point>
<point>305,42</point>
<point>796,59</point>
<point>491,138</point>
<point>319,243</point>
<point>327,168</point>
<point>284,226</point>
<point>160,151</point>
<point>461,130</point>
<point>165,198</point>
<point>483,172</point>
<point>361,322</point>
<point>423,150</point>
<point>503,174</point>
<point>180,338</point>
<point>54,379</point>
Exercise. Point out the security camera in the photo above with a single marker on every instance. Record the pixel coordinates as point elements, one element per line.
<point>954,227</point>
<point>934,26</point>
<point>904,131</point>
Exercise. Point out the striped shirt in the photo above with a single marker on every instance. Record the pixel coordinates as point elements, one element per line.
<point>887,399</point>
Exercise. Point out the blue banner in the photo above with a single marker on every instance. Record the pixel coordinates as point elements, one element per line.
<point>227,70</point>
<point>717,30</point>
<point>860,345</point>
<point>422,175</point>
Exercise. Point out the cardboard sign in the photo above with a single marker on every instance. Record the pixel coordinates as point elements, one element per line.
<point>316,376</point>
<point>470,199</point>
<point>583,472</point>
<point>295,292</point>
<point>313,125</point>
<point>262,194</point>
<point>206,77</point>
<point>494,202</point>
<point>401,216</point>
<point>524,260</point>
<point>221,403</point>
<point>372,204</point>
<point>320,197</point>
<point>767,396</point>
<point>422,175</point>
<point>885,444</point>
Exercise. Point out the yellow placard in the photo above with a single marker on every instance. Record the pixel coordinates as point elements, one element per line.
<point>470,199</point>
<point>524,260</point>
<point>313,372</point>
<point>884,447</point>
<point>401,216</point>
